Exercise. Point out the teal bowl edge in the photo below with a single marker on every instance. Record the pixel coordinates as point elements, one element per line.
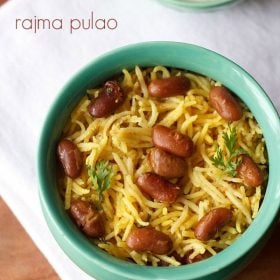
<point>198,6</point>
<point>197,59</point>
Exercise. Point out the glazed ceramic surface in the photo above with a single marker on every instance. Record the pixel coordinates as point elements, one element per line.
<point>198,5</point>
<point>93,260</point>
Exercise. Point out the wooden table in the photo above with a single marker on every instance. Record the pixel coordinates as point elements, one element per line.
<point>20,259</point>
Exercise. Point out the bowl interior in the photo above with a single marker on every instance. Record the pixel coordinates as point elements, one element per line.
<point>179,55</point>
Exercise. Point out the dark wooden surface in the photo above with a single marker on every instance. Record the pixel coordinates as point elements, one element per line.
<point>19,257</point>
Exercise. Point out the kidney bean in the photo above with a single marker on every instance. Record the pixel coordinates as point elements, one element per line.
<point>211,223</point>
<point>158,187</point>
<point>149,239</point>
<point>225,104</point>
<point>169,86</point>
<point>109,99</point>
<point>198,258</point>
<point>87,218</point>
<point>249,172</point>
<point>166,164</point>
<point>70,158</point>
<point>178,258</point>
<point>172,141</point>
<point>162,263</point>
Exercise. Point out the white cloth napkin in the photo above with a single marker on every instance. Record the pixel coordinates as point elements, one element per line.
<point>34,67</point>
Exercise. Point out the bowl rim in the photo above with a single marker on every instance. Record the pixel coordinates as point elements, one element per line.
<point>195,5</point>
<point>123,268</point>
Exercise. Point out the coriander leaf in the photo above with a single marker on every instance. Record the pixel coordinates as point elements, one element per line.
<point>237,152</point>
<point>230,139</point>
<point>230,165</point>
<point>101,176</point>
<point>218,159</point>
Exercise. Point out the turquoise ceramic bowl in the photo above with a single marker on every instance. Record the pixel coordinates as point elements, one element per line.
<point>98,263</point>
<point>198,5</point>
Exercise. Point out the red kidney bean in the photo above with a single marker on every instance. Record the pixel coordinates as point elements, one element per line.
<point>225,104</point>
<point>211,223</point>
<point>70,158</point>
<point>172,141</point>
<point>150,240</point>
<point>166,164</point>
<point>109,99</point>
<point>162,263</point>
<point>169,86</point>
<point>158,187</point>
<point>87,218</point>
<point>198,258</point>
<point>249,172</point>
<point>178,258</point>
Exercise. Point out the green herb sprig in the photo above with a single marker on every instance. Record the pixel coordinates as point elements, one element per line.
<point>101,176</point>
<point>230,165</point>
